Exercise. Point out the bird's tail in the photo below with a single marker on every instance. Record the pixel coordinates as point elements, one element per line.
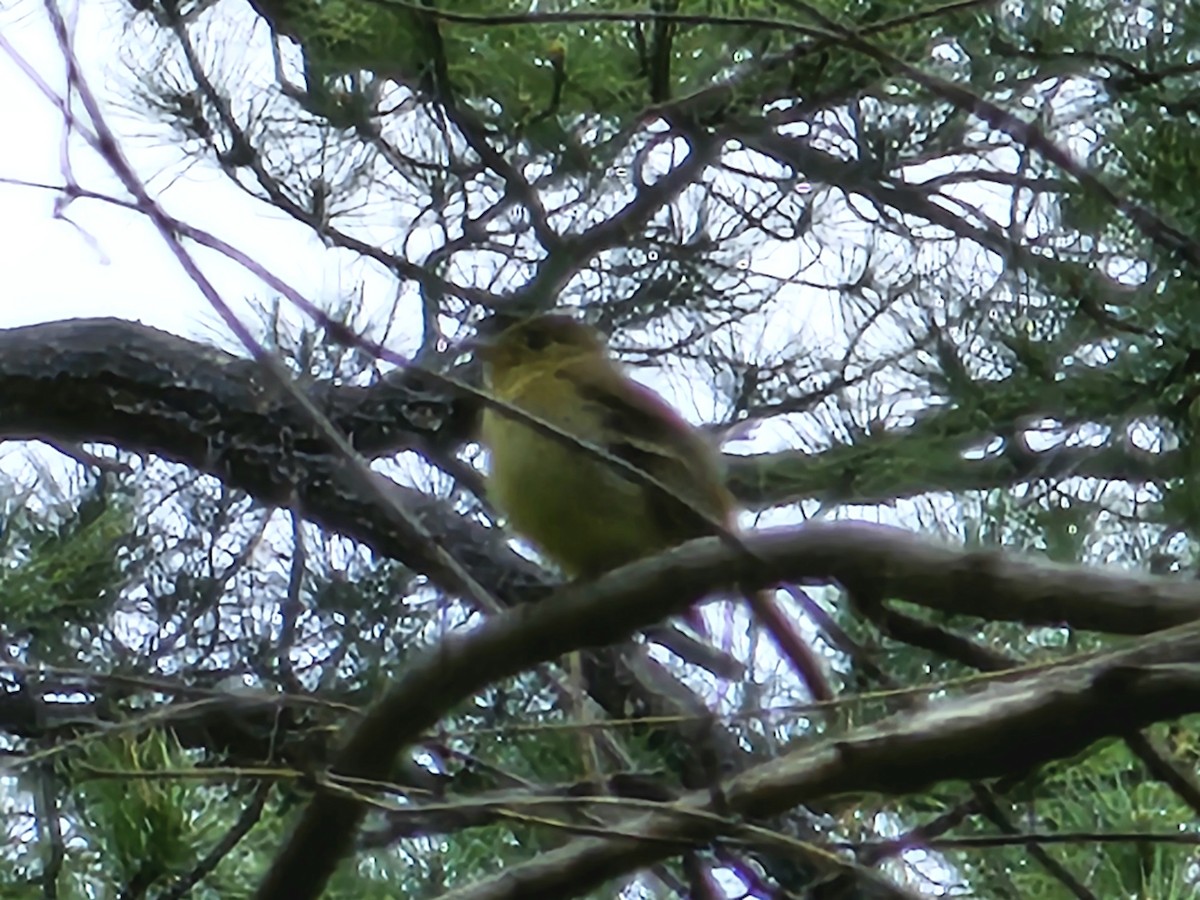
<point>791,643</point>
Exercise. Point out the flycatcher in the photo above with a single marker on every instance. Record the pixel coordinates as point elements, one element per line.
<point>582,511</point>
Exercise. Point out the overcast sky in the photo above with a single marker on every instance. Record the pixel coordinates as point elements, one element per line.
<point>111,262</point>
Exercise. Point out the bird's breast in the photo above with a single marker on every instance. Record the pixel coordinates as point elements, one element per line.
<point>575,507</point>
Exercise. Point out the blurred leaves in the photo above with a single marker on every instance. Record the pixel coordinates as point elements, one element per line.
<point>144,826</point>
<point>60,571</point>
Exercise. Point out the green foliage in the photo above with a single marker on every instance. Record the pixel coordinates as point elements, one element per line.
<point>551,73</point>
<point>63,569</point>
<point>143,823</point>
<point>940,303</point>
<point>507,52</point>
<point>1100,793</point>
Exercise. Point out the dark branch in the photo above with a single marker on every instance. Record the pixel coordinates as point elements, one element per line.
<point>1004,729</point>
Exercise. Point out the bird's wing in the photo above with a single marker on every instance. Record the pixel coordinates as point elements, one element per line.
<point>642,429</point>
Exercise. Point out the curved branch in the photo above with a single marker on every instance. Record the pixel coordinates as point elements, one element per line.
<point>1008,728</point>
<point>1055,718</point>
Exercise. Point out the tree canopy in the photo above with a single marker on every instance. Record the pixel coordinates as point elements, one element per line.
<point>924,273</point>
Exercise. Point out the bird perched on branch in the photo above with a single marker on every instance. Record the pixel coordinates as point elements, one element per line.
<point>587,513</point>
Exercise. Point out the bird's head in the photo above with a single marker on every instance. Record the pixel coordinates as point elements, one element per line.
<point>547,340</point>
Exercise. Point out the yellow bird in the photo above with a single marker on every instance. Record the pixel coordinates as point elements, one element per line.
<point>582,511</point>
<point>585,513</point>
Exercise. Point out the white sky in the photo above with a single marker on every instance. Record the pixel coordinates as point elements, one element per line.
<point>116,264</point>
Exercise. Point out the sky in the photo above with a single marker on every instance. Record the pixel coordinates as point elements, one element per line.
<point>100,260</point>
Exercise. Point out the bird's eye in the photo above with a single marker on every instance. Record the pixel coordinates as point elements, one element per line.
<point>537,340</point>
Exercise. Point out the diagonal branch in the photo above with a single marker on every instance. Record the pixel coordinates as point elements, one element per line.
<point>1008,728</point>
<point>610,608</point>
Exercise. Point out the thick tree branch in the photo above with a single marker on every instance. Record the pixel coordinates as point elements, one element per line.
<point>1005,729</point>
<point>67,382</point>
<point>608,609</point>
<point>583,616</point>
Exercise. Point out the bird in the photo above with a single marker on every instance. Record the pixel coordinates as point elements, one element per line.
<point>585,514</point>
<point>581,511</point>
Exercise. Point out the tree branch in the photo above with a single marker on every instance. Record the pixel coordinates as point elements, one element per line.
<point>607,610</point>
<point>1004,729</point>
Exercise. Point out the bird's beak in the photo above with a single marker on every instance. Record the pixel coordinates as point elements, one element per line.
<point>480,346</point>
<point>486,339</point>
